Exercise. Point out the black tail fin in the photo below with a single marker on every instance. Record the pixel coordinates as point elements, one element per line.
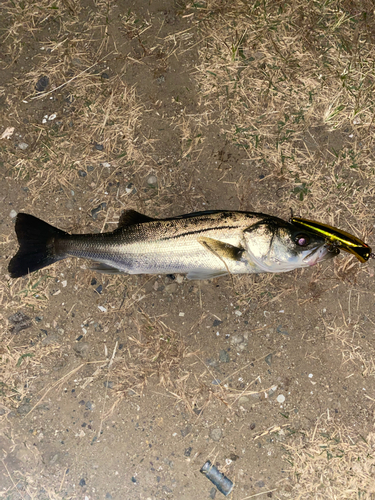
<point>37,245</point>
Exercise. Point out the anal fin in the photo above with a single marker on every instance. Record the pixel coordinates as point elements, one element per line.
<point>105,268</point>
<point>205,274</point>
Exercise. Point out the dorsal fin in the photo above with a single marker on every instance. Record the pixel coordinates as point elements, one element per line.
<point>131,217</point>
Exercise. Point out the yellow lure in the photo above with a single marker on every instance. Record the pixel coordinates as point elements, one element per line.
<point>337,237</point>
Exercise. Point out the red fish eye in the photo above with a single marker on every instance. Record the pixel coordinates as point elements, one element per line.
<point>302,240</point>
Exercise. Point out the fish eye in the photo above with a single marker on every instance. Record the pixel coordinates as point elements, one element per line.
<point>302,240</point>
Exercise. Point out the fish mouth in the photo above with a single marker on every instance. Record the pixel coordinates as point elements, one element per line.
<point>320,253</point>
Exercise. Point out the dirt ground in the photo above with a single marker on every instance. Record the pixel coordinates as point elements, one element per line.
<point>122,387</point>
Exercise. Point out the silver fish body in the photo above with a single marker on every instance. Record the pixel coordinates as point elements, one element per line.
<point>202,245</point>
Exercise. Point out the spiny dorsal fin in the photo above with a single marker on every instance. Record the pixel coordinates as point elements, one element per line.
<point>130,217</point>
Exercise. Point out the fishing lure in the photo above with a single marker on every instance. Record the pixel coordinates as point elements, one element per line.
<point>336,237</point>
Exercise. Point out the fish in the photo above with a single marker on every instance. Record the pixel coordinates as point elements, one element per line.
<point>202,245</point>
<point>337,237</point>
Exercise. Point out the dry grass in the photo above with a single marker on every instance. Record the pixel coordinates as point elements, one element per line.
<point>281,80</point>
<point>332,461</point>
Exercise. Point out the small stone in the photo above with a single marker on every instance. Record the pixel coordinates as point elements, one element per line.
<point>99,147</point>
<point>19,321</point>
<point>93,282</point>
<point>82,349</point>
<point>252,426</point>
<point>268,359</point>
<point>237,339</point>
<point>82,173</point>
<point>90,168</point>
<point>243,399</point>
<point>42,84</point>
<point>13,214</point>
<point>186,430</point>
<point>130,188</point>
<point>213,493</point>
<point>216,322</point>
<point>109,385</point>
<point>82,482</point>
<point>260,484</point>
<point>224,356</point>
<point>108,496</point>
<point>105,76</point>
<point>152,181</point>
<point>134,480</point>
<point>22,146</point>
<point>188,451</point>
<point>88,405</point>
<point>95,211</point>
<point>280,398</point>
<point>216,434</point>
<point>99,289</point>
<point>24,409</point>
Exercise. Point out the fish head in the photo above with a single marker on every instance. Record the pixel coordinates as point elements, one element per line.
<point>275,245</point>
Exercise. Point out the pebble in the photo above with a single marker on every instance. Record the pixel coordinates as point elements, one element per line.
<point>42,84</point>
<point>188,451</point>
<point>130,188</point>
<point>82,482</point>
<point>268,359</point>
<point>237,339</point>
<point>216,322</point>
<point>82,173</point>
<point>22,146</point>
<point>105,76</point>
<point>99,289</point>
<point>19,321</point>
<point>224,356</point>
<point>280,398</point>
<point>90,168</point>
<point>88,405</point>
<point>81,348</point>
<point>152,180</point>
<point>109,385</point>
<point>99,147</point>
<point>216,434</point>
<point>213,493</point>
<point>93,282</point>
<point>13,214</point>
<point>102,309</point>
<point>243,399</point>
<point>95,211</point>
<point>186,430</point>
<point>260,484</point>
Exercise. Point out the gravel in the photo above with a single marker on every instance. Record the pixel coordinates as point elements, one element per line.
<point>216,434</point>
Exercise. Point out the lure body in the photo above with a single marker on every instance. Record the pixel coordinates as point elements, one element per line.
<point>336,237</point>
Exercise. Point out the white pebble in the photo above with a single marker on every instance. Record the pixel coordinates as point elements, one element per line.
<point>311,375</point>
<point>64,283</point>
<point>238,313</point>
<point>13,214</point>
<point>280,398</point>
<point>105,164</point>
<point>22,146</point>
<point>182,314</point>
<point>103,309</point>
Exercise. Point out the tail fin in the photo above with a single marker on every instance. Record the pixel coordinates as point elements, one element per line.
<point>36,239</point>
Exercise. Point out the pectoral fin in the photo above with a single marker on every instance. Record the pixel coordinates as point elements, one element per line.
<point>221,249</point>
